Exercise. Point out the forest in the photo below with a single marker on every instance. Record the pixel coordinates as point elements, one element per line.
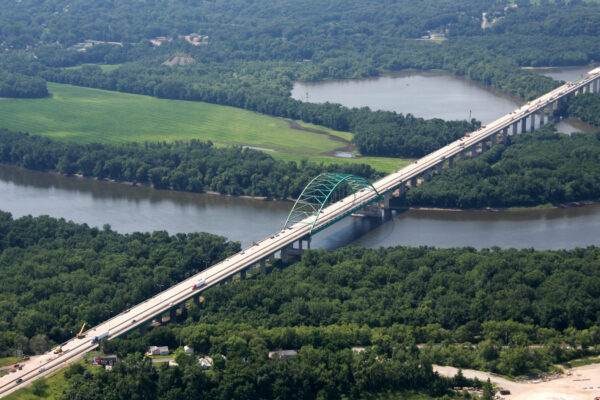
<point>536,168</point>
<point>251,61</point>
<point>192,166</point>
<point>586,107</point>
<point>57,274</point>
<point>508,311</point>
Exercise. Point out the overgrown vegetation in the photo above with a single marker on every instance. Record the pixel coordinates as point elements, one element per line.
<point>189,166</point>
<point>254,52</point>
<point>586,107</point>
<point>537,168</point>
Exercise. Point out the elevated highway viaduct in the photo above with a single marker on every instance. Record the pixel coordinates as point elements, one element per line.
<point>299,230</point>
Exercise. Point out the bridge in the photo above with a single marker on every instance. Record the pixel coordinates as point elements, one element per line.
<point>311,214</point>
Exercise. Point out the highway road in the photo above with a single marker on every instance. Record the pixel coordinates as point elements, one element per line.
<point>138,315</point>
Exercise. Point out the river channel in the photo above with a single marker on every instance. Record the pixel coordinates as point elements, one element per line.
<point>128,209</point>
<point>428,94</point>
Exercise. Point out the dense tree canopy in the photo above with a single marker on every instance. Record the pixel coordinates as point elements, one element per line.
<point>54,275</point>
<point>537,168</point>
<point>192,166</point>
<point>254,51</point>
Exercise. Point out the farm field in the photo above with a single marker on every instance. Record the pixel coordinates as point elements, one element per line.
<point>85,115</point>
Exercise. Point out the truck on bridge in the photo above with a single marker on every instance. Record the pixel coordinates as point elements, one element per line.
<point>101,336</point>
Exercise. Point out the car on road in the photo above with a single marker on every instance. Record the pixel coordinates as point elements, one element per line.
<point>19,381</point>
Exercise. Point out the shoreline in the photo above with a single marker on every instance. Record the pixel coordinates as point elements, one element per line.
<point>581,203</point>
<point>571,204</point>
<point>138,184</point>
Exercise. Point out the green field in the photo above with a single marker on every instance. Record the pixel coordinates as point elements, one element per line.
<point>57,383</point>
<point>86,115</point>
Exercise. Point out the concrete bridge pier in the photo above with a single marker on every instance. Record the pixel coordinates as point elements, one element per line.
<point>515,128</point>
<point>542,116</point>
<point>172,314</point>
<point>413,182</point>
<point>451,163</point>
<point>494,139</point>
<point>484,146</point>
<point>263,263</point>
<point>386,200</point>
<point>463,155</point>
<point>532,123</point>
<point>524,125</point>
<point>597,86</point>
<point>427,175</point>
<point>243,275</point>
<point>439,167</point>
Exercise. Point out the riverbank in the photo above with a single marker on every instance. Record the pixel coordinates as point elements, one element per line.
<point>502,209</point>
<point>291,200</point>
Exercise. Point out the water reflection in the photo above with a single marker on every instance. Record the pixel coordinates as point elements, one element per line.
<point>424,94</point>
<point>128,209</point>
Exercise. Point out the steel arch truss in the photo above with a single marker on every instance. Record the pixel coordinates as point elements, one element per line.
<point>317,193</point>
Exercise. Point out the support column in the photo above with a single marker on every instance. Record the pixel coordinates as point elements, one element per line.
<point>555,106</point>
<point>172,314</point>
<point>197,298</point>
<point>263,263</point>
<point>542,117</point>
<point>451,162</point>
<point>515,128</point>
<point>308,240</point>
<point>597,86</point>
<point>413,183</point>
<point>243,275</point>
<point>484,146</point>
<point>386,200</point>
<point>494,139</point>
<point>439,167</point>
<point>463,155</point>
<point>524,125</point>
<point>532,123</point>
<point>426,176</point>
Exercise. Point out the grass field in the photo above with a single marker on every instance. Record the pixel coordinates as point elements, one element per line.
<point>86,115</point>
<point>57,383</point>
<point>6,361</point>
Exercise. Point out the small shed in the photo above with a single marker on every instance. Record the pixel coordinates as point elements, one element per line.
<point>188,350</point>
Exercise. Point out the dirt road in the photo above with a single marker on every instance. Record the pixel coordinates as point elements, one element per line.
<point>582,384</point>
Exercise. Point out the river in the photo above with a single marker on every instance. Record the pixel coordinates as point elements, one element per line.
<point>427,94</point>
<point>128,209</point>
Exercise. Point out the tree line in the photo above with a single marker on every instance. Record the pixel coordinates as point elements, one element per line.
<point>471,308</point>
<point>192,166</point>
<point>585,107</point>
<point>537,168</point>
